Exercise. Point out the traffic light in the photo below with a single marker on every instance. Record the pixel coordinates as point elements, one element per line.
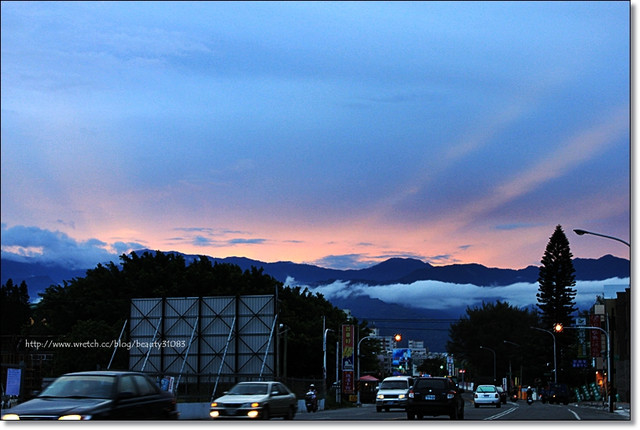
<point>397,337</point>
<point>557,327</point>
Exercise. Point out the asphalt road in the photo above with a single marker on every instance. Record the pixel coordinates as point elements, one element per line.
<point>511,411</point>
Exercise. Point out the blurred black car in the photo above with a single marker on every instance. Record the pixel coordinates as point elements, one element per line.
<point>435,396</point>
<point>96,396</point>
<point>502,393</point>
<point>556,393</point>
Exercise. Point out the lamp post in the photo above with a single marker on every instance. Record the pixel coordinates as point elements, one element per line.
<point>284,330</point>
<point>494,362</point>
<point>324,362</point>
<point>580,232</point>
<point>510,371</point>
<point>555,364</point>
<point>358,372</point>
<point>609,373</point>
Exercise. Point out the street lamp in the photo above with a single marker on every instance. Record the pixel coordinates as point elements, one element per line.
<point>609,372</point>
<point>358,372</point>
<point>324,362</point>
<point>510,371</point>
<point>494,362</point>
<point>555,364</point>
<point>580,232</point>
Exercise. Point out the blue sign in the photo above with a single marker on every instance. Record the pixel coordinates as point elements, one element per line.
<point>580,363</point>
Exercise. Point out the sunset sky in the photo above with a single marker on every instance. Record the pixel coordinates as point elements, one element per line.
<point>338,134</point>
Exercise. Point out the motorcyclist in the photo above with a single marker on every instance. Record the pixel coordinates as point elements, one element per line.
<point>311,398</point>
<point>529,393</point>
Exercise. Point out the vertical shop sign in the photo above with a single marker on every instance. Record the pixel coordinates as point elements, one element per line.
<point>348,342</point>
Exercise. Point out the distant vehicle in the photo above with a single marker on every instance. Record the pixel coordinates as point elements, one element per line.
<point>98,396</point>
<point>486,395</point>
<point>434,396</point>
<point>256,400</point>
<point>392,392</point>
<point>556,393</point>
<point>502,393</point>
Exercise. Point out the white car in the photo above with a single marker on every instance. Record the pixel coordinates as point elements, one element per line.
<point>255,400</point>
<point>393,393</point>
<point>486,395</point>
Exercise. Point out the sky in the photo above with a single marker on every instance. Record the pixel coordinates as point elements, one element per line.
<point>332,133</point>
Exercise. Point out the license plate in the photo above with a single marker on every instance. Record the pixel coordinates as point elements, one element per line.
<point>430,397</point>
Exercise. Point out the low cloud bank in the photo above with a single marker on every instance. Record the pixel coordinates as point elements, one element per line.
<point>441,295</point>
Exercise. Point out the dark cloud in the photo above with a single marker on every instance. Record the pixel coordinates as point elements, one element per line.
<point>48,247</point>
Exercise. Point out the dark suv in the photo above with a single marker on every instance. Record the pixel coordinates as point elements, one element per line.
<point>557,393</point>
<point>435,396</point>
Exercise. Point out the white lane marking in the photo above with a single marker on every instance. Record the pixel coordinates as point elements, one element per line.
<point>501,414</point>
<point>575,414</point>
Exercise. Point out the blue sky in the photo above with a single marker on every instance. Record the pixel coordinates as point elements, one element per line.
<point>339,134</point>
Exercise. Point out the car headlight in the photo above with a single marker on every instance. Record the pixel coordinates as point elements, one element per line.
<point>74,417</point>
<point>401,396</point>
<point>11,417</point>
<point>380,396</point>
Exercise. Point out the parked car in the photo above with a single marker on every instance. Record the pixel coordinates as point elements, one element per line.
<point>502,393</point>
<point>486,395</point>
<point>97,396</point>
<point>256,400</point>
<point>392,392</point>
<point>435,396</point>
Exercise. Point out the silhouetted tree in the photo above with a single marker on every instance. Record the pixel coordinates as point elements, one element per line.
<point>489,326</point>
<point>95,307</point>
<point>15,310</point>
<point>556,297</point>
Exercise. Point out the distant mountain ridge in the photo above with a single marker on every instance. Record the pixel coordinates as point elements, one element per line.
<point>380,314</point>
<point>39,276</point>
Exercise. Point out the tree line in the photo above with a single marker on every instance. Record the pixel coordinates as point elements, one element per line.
<point>96,306</point>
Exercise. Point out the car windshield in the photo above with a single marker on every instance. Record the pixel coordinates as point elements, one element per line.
<point>80,386</point>
<point>486,389</point>
<point>431,383</point>
<point>393,385</point>
<point>248,389</point>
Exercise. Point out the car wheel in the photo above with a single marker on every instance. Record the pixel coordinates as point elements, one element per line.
<point>290,413</point>
<point>461,415</point>
<point>454,413</point>
<point>498,405</point>
<point>475,405</point>
<point>266,415</point>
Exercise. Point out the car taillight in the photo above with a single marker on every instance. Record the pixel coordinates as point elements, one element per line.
<point>451,395</point>
<point>411,395</point>
<point>475,395</point>
<point>497,395</point>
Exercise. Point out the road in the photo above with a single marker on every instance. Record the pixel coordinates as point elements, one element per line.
<point>514,411</point>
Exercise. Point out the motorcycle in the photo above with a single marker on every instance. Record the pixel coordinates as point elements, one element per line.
<point>311,401</point>
<point>529,401</point>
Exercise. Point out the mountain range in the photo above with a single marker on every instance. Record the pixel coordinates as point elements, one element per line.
<point>385,316</point>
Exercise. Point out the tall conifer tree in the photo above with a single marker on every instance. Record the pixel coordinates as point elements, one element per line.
<point>556,296</point>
